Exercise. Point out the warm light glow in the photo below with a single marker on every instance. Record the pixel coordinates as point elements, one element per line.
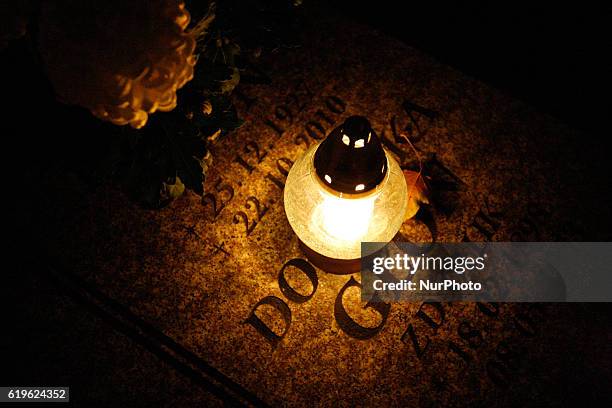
<point>334,225</point>
<point>344,219</point>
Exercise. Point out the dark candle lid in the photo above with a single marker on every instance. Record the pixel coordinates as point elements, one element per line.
<point>351,159</point>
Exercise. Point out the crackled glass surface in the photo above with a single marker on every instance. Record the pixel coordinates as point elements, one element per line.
<point>334,225</point>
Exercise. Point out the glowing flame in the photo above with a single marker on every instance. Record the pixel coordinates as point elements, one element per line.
<point>345,219</point>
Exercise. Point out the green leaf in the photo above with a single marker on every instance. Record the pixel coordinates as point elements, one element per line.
<point>215,78</point>
<point>224,116</point>
<point>170,191</point>
<point>157,163</point>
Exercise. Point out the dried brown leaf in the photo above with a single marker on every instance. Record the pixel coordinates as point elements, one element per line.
<point>418,192</point>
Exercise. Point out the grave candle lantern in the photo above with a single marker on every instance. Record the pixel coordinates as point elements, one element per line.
<point>344,191</point>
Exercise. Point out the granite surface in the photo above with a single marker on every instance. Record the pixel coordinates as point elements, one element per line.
<point>194,271</point>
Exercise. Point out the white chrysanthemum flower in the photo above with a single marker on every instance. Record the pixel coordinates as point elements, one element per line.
<point>121,59</point>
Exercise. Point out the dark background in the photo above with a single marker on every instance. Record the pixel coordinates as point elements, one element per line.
<point>553,56</point>
<point>550,55</point>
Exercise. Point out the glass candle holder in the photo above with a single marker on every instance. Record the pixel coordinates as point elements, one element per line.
<point>332,219</point>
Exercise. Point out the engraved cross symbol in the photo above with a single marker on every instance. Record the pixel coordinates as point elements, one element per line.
<point>220,248</point>
<point>191,231</point>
